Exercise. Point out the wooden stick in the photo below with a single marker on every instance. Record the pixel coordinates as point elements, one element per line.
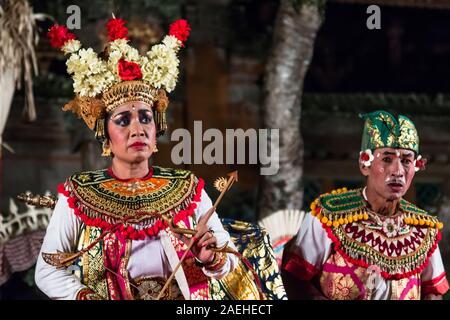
<point>193,240</point>
<point>232,177</point>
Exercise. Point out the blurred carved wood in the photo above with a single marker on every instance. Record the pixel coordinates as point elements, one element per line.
<point>21,236</point>
<point>291,54</point>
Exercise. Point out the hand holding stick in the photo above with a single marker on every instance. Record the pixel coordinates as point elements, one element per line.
<point>224,186</point>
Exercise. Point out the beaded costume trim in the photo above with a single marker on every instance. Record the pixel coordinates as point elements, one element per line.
<point>400,245</point>
<point>137,205</point>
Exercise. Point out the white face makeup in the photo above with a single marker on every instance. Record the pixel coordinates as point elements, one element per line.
<point>391,172</point>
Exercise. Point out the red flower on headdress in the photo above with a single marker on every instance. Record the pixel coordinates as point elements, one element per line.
<point>116,29</point>
<point>129,70</point>
<point>59,35</point>
<point>180,29</point>
<point>420,163</point>
<point>365,157</point>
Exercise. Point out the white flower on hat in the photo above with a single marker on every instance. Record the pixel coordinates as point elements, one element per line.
<point>366,157</point>
<point>92,75</point>
<point>71,46</point>
<point>172,43</point>
<point>419,163</point>
<point>160,67</point>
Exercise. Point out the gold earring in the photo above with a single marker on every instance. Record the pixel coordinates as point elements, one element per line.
<point>155,149</point>
<point>106,150</point>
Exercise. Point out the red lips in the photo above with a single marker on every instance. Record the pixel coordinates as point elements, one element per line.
<point>138,145</point>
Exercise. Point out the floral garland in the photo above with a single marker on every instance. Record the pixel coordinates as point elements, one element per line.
<point>92,75</point>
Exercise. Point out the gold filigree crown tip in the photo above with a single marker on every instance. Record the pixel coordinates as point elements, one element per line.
<point>220,184</point>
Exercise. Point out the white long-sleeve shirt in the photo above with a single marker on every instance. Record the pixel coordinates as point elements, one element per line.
<point>149,257</point>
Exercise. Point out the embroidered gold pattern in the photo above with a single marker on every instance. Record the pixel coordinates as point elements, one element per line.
<point>398,245</point>
<point>142,201</point>
<point>149,288</point>
<point>92,263</point>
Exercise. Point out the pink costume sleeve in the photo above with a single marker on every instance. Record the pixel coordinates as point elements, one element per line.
<point>311,249</point>
<point>433,277</point>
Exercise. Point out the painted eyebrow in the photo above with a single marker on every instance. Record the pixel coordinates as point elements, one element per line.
<point>121,113</point>
<point>388,153</point>
<point>407,155</point>
<point>128,112</point>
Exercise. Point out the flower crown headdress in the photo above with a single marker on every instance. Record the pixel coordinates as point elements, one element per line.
<point>120,74</point>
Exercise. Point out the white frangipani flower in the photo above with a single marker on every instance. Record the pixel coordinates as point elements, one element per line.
<point>71,46</point>
<point>93,75</point>
<point>418,163</point>
<point>366,157</point>
<point>172,43</point>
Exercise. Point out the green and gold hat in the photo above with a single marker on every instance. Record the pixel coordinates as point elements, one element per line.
<point>383,130</point>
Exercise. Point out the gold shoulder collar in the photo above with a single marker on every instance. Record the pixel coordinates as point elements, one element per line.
<point>344,206</point>
<point>102,200</point>
<point>340,207</point>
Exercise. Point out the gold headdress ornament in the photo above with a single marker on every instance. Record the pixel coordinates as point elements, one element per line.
<point>120,74</point>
